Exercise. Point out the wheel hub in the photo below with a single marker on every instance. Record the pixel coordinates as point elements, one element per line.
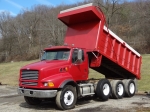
<point>106,89</point>
<point>68,98</point>
<point>120,89</point>
<point>131,88</point>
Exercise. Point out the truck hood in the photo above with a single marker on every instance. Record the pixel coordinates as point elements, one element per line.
<point>41,65</point>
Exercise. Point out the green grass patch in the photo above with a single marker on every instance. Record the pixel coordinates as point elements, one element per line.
<point>144,83</point>
<point>9,73</point>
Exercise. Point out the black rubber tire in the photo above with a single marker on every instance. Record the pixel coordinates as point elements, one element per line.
<point>116,94</point>
<point>32,101</point>
<point>130,87</point>
<point>103,84</point>
<point>60,99</point>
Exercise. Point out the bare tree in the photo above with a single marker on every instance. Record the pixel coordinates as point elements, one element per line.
<point>110,8</point>
<point>24,36</point>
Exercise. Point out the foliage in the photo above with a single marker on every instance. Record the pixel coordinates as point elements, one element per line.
<point>24,36</point>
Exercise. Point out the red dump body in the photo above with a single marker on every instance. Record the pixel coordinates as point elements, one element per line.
<point>86,29</point>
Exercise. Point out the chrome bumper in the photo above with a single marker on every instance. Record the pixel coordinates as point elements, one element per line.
<point>37,93</point>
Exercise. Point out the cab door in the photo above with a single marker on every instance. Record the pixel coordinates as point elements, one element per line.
<point>79,70</point>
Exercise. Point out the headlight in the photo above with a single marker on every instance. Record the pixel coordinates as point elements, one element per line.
<point>46,84</point>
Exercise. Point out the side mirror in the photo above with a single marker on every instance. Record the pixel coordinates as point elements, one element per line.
<point>42,57</point>
<point>79,54</point>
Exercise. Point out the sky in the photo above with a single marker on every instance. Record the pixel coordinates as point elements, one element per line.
<point>16,6</point>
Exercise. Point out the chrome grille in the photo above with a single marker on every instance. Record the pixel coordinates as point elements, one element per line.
<point>31,75</point>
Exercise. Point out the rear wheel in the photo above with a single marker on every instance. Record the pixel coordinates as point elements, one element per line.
<point>103,89</point>
<point>66,98</point>
<point>130,87</point>
<point>117,89</point>
<point>32,101</point>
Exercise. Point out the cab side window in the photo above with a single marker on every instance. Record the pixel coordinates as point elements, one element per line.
<point>75,56</point>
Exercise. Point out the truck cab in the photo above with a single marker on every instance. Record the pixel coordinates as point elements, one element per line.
<point>61,61</point>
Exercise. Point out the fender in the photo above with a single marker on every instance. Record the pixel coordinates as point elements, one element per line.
<point>65,82</point>
<point>71,82</point>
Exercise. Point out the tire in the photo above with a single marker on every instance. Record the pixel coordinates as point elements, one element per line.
<point>103,89</point>
<point>117,89</point>
<point>32,101</point>
<point>130,87</point>
<point>66,98</point>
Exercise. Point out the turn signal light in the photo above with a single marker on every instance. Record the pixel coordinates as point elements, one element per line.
<point>50,84</point>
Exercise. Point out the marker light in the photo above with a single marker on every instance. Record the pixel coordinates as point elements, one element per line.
<point>65,69</point>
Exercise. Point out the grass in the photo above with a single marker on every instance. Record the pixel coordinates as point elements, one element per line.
<point>9,73</point>
<point>144,83</point>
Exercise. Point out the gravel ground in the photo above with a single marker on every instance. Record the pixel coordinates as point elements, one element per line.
<point>11,102</point>
<point>124,105</point>
<point>138,103</point>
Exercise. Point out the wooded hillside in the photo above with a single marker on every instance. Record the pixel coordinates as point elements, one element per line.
<point>24,36</point>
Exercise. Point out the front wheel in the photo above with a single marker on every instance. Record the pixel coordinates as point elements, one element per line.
<point>32,101</point>
<point>66,98</point>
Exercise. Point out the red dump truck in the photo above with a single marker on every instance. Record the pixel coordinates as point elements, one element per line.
<point>62,73</point>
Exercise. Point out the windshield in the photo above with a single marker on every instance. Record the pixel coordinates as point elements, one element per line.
<point>59,54</point>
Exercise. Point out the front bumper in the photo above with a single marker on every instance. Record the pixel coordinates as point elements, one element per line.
<point>37,93</point>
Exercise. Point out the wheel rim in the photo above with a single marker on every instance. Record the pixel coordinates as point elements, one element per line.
<point>68,98</point>
<point>131,88</point>
<point>106,89</point>
<point>120,89</point>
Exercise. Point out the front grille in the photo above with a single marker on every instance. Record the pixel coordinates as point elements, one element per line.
<point>31,75</point>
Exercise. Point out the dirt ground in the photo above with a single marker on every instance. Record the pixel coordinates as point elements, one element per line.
<point>10,101</point>
<point>138,103</point>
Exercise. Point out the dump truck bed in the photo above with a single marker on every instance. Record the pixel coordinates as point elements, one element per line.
<point>86,29</point>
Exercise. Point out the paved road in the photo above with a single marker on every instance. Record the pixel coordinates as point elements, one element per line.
<point>11,102</point>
